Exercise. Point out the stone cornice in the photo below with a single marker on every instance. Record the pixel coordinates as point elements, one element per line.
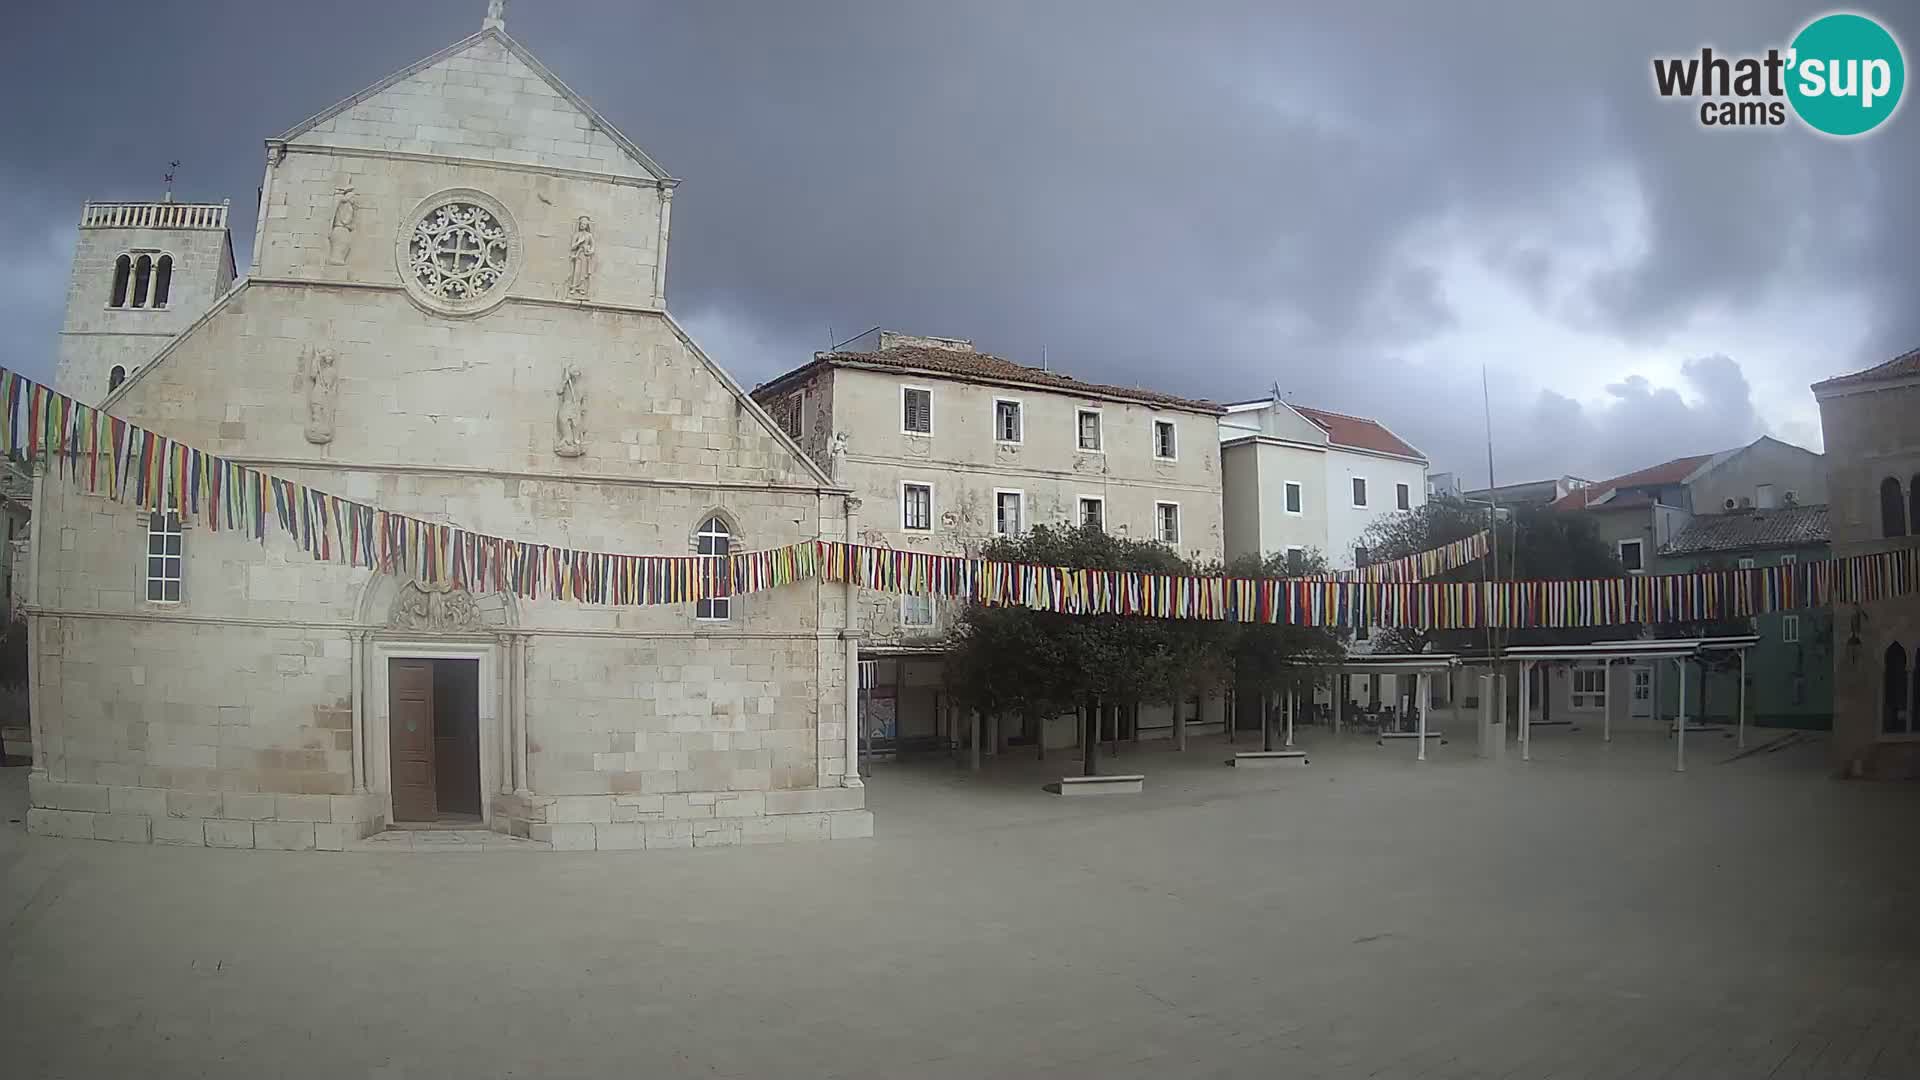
<point>382,632</point>
<point>329,150</point>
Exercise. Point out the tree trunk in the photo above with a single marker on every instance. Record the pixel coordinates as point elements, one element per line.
<point>1089,746</point>
<point>1037,726</point>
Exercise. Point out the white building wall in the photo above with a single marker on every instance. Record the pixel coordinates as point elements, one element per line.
<point>1348,523</point>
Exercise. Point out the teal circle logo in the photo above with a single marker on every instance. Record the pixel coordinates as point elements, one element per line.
<point>1845,74</point>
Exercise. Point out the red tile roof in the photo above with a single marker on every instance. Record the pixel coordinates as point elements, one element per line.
<point>1359,433</point>
<point>985,367</point>
<point>1667,472</point>
<point>1901,366</point>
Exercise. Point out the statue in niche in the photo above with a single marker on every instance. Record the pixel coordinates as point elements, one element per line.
<point>580,278</point>
<point>570,419</point>
<point>837,456</point>
<point>320,377</point>
<point>340,236</point>
<point>436,606</point>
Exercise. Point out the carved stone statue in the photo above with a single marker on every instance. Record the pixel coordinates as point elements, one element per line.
<point>320,377</point>
<point>438,606</point>
<point>580,279</point>
<point>496,15</point>
<point>340,236</point>
<point>837,456</point>
<point>570,419</point>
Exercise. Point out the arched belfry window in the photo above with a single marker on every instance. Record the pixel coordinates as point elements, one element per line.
<point>1894,718</point>
<point>115,377</point>
<point>122,277</point>
<point>162,281</point>
<point>714,537</point>
<point>142,279</point>
<point>1893,510</point>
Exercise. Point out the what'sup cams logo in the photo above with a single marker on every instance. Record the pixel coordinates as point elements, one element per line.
<point>1842,75</point>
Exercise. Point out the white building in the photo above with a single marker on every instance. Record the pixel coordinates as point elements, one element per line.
<point>1300,479</point>
<point>946,447</point>
<point>455,310</point>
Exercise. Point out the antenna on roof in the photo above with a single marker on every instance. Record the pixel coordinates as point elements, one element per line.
<point>1276,390</point>
<point>171,165</point>
<point>829,337</point>
<point>1044,365</point>
<point>835,347</point>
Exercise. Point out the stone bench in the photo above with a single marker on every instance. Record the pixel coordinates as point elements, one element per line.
<point>1268,759</point>
<point>1122,784</point>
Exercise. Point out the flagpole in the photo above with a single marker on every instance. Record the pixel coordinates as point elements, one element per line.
<point>1493,510</point>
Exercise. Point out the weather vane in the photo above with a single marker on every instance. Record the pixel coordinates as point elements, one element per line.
<point>171,165</point>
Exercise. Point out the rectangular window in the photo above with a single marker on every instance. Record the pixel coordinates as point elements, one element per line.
<point>1359,491</point>
<point>1293,497</point>
<point>1296,559</point>
<point>1746,563</point>
<point>916,410</point>
<point>1009,512</point>
<point>1590,688</point>
<point>1167,519</point>
<point>1402,497</point>
<point>1630,556</point>
<point>163,557</point>
<point>1789,559</point>
<point>1088,421</point>
<point>1093,513</point>
<point>1360,632</point>
<point>1763,496</point>
<point>791,418</point>
<point>1164,446</point>
<point>1006,421</point>
<point>916,507</point>
<point>916,610</point>
<point>1790,629</point>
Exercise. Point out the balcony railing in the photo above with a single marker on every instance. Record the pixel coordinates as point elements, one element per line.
<point>154,215</point>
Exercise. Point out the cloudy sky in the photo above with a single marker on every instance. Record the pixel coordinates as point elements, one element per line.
<point>1363,202</point>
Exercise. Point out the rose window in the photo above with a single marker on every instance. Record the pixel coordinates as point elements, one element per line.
<point>458,251</point>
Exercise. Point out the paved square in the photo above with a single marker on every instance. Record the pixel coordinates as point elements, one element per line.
<point>1590,914</point>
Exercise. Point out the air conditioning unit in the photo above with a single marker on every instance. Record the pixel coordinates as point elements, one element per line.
<point>1745,502</point>
<point>1729,505</point>
<point>1790,499</point>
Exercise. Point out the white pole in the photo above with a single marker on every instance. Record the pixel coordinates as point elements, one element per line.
<point>1680,721</point>
<point>1420,691</point>
<point>1293,706</point>
<point>1526,710</point>
<point>1742,741</point>
<point>1606,714</point>
<point>973,741</point>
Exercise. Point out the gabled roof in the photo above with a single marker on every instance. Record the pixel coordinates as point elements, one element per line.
<point>1906,365</point>
<point>985,368</point>
<point>600,123</point>
<point>1676,471</point>
<point>1786,526</point>
<point>1358,433</point>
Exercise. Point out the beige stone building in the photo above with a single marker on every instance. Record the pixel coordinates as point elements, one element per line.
<point>1871,423</point>
<point>455,310</point>
<point>946,447</point>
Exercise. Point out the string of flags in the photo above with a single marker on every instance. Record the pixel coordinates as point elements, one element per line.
<point>106,456</point>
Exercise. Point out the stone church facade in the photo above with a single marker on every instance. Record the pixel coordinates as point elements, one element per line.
<point>455,310</point>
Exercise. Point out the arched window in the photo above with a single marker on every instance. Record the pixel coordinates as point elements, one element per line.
<point>1893,511</point>
<point>115,377</point>
<point>713,538</point>
<point>162,280</point>
<point>142,278</point>
<point>122,274</point>
<point>1894,718</point>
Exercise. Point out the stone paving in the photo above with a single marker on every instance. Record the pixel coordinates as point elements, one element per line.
<point>1589,914</point>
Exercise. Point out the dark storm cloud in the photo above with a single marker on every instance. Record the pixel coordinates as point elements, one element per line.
<point>1206,197</point>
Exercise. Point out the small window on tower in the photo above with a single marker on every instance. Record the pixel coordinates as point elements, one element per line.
<point>162,281</point>
<point>142,279</point>
<point>115,377</point>
<point>122,277</point>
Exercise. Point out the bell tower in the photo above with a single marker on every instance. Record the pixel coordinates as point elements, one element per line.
<point>142,273</point>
